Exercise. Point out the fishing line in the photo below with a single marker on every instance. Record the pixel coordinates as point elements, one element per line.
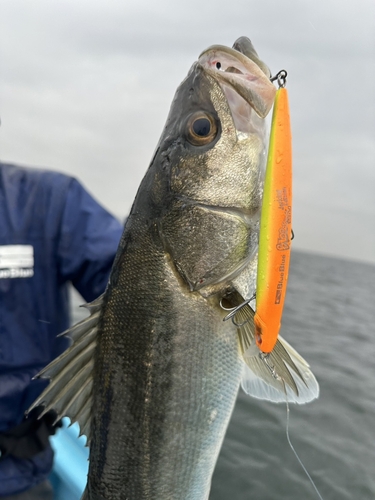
<point>265,357</point>
<point>292,447</point>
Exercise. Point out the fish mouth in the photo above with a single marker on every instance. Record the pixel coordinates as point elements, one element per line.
<point>244,80</point>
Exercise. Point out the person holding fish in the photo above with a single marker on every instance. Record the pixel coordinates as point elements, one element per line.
<point>52,233</point>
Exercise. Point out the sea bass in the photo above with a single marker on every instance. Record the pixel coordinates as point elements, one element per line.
<point>153,374</point>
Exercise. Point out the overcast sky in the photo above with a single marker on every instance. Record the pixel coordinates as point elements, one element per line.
<point>85,88</point>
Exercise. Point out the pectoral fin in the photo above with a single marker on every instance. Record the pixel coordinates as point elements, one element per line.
<point>281,374</point>
<point>294,380</point>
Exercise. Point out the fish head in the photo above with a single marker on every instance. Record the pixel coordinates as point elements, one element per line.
<point>206,178</point>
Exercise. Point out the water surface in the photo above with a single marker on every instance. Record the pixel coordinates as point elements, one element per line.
<point>329,318</point>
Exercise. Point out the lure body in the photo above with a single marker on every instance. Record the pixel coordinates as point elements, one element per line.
<point>275,228</point>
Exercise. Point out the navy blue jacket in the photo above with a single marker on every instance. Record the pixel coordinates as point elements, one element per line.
<point>52,232</point>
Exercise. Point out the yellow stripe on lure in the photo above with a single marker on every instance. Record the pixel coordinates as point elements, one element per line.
<point>275,228</point>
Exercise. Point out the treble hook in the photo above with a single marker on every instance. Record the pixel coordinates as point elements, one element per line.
<point>265,357</point>
<point>235,310</point>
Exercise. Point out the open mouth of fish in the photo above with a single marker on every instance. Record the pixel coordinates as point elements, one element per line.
<point>245,81</point>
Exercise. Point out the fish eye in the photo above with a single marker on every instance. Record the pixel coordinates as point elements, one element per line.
<point>201,128</point>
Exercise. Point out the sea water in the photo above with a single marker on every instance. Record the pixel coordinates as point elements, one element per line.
<point>330,319</point>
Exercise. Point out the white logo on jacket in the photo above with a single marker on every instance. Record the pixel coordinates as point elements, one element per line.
<point>16,261</point>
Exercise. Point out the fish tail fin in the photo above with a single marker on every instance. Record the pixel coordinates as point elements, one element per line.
<point>282,374</point>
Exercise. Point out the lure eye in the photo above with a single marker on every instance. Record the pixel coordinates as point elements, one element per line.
<point>201,128</point>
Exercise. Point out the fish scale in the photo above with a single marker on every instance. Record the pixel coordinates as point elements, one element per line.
<point>181,382</point>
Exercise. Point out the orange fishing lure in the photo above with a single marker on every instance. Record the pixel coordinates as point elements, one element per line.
<point>275,228</point>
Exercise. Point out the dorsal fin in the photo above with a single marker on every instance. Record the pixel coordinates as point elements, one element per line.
<point>69,392</point>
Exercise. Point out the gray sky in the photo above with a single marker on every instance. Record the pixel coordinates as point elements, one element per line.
<point>85,88</point>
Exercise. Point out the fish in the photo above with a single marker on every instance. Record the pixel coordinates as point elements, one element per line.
<point>153,373</point>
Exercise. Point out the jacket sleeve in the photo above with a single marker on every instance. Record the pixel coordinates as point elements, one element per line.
<point>88,242</point>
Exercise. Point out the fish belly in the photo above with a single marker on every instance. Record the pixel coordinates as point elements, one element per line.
<point>167,372</point>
